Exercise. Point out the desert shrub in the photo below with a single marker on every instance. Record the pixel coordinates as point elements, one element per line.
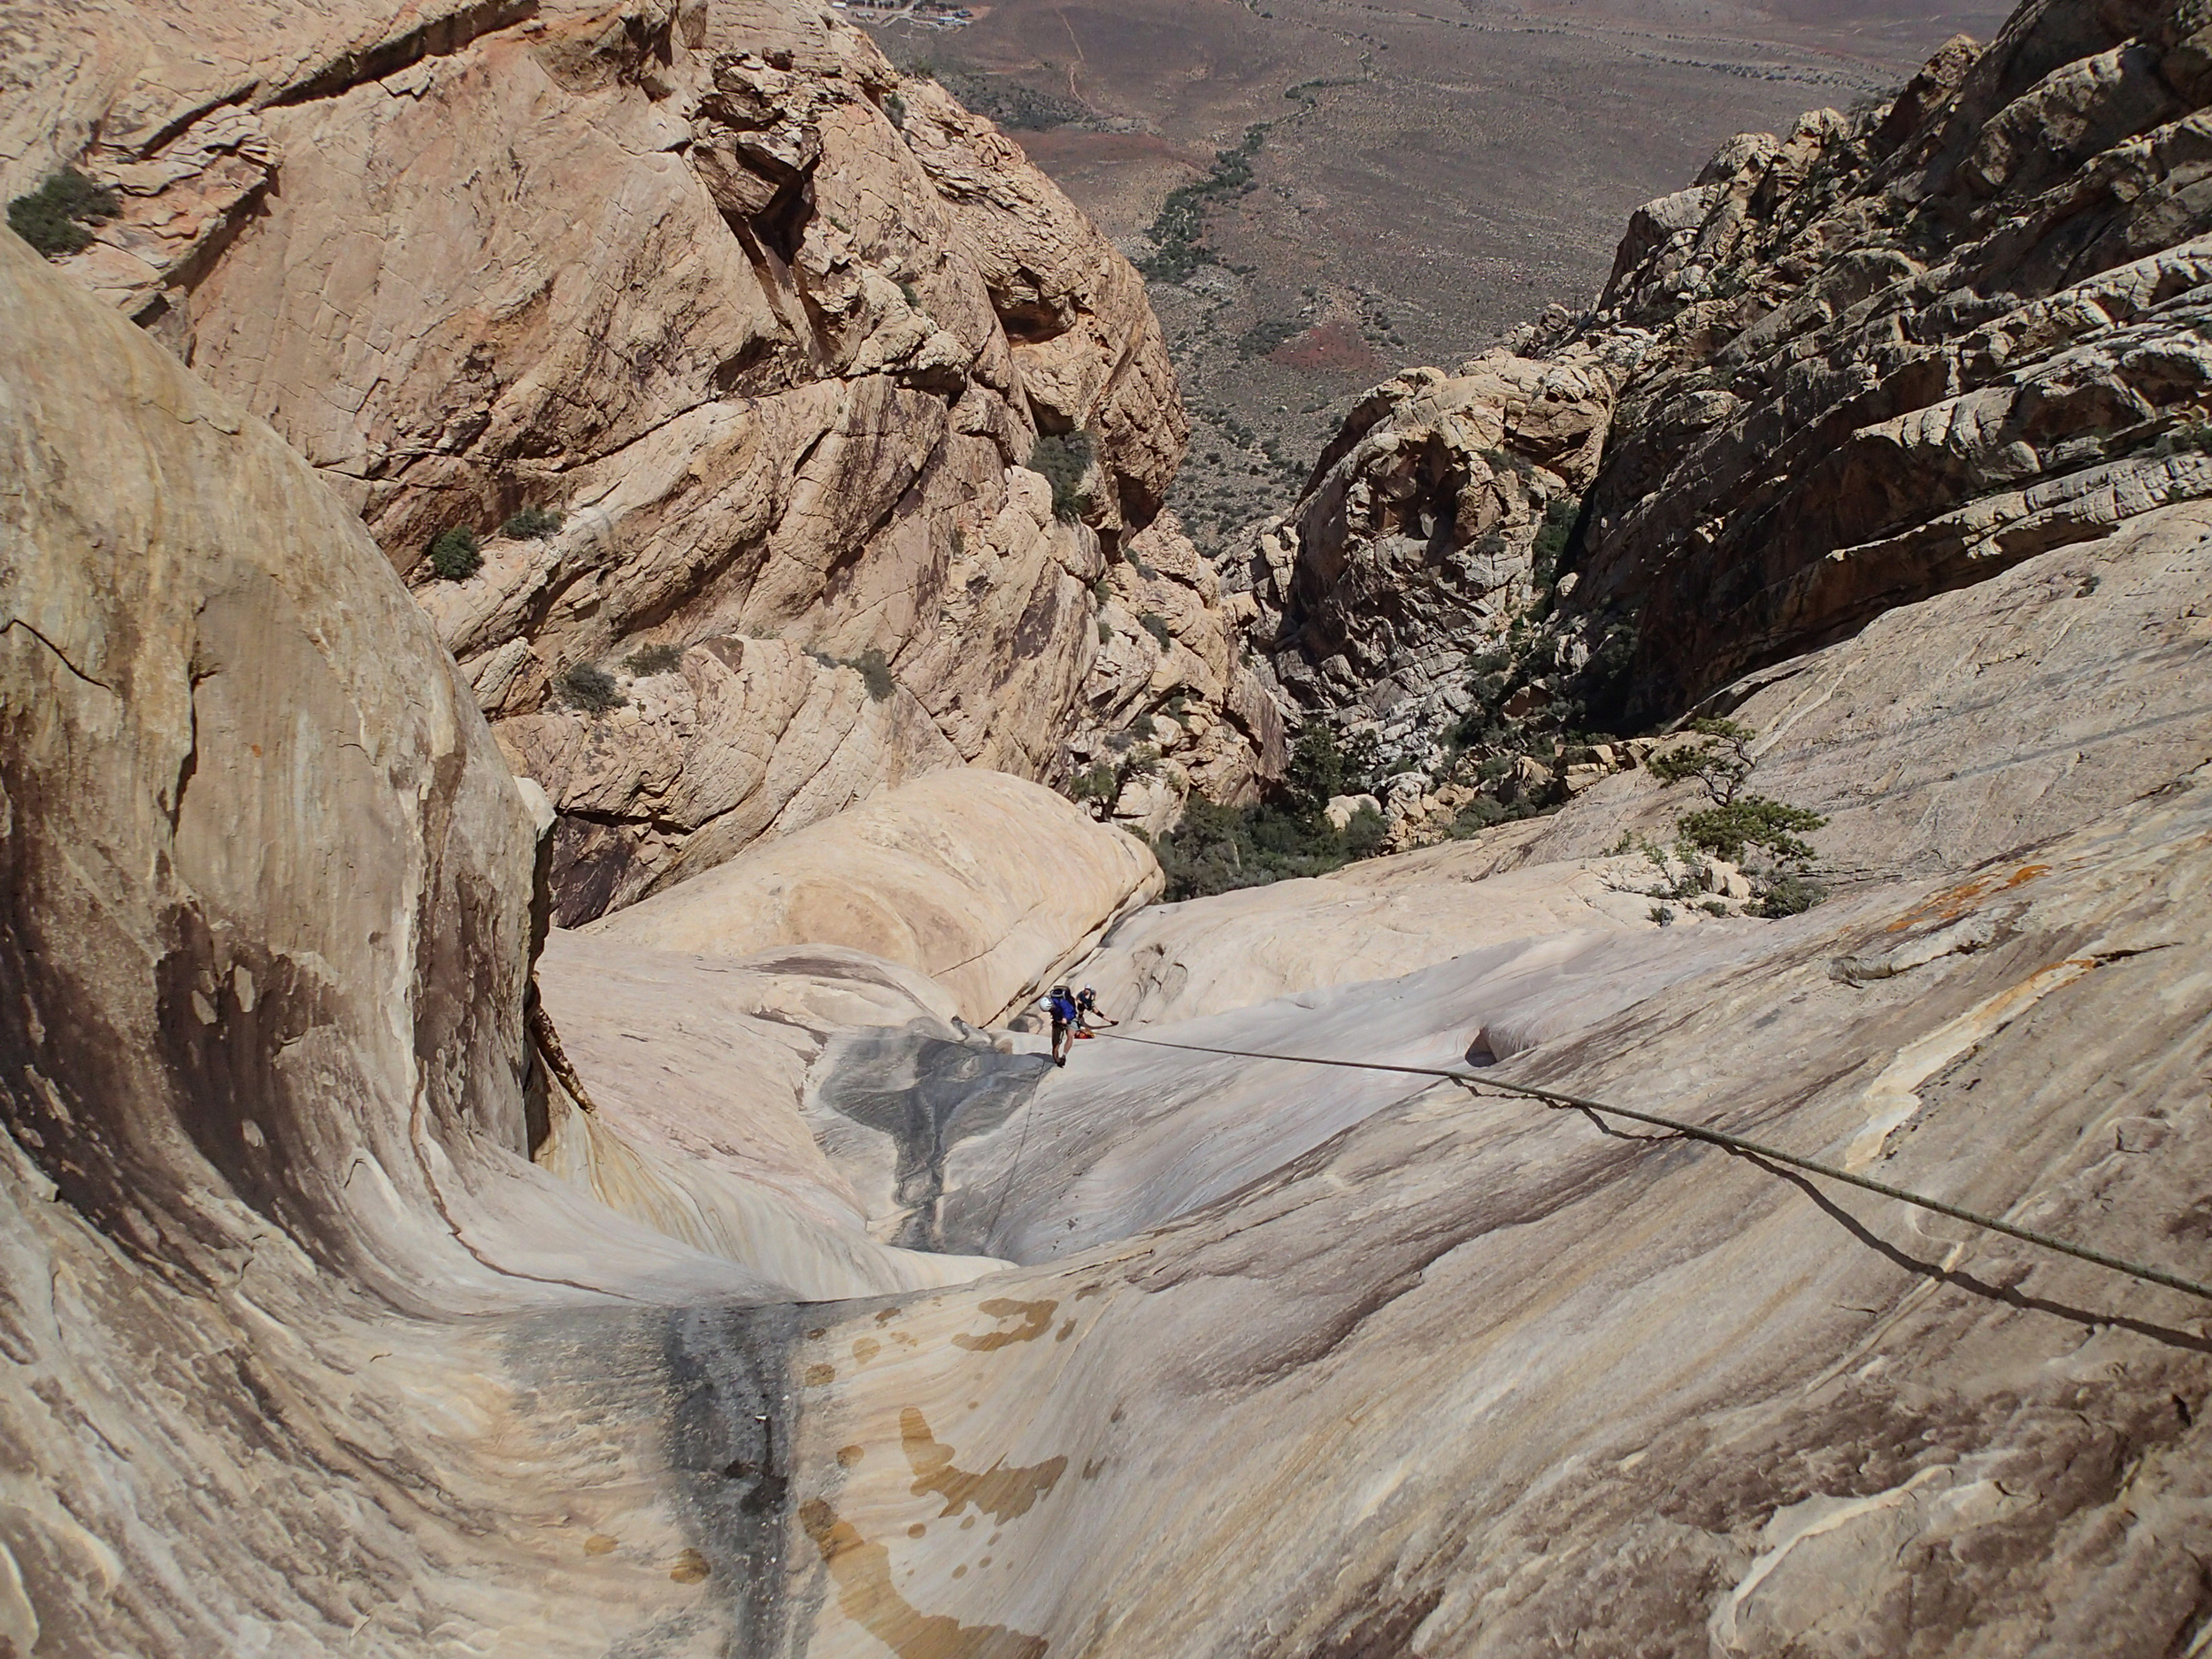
<point>894,107</point>
<point>654,659</point>
<point>1268,335</point>
<point>1322,768</point>
<point>1364,835</point>
<point>1749,821</point>
<point>1105,631</point>
<point>1153,623</point>
<point>534,524</point>
<point>591,689</point>
<point>1790,893</point>
<point>457,555</point>
<point>875,673</point>
<point>1143,726</point>
<point>52,219</point>
<point>1099,783</point>
<point>1718,761</point>
<point>1064,462</point>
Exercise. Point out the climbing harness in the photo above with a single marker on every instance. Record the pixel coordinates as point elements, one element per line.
<point>1732,1143</point>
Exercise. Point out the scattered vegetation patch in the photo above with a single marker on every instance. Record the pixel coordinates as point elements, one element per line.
<point>534,524</point>
<point>1179,234</point>
<point>55,218</point>
<point>654,659</point>
<point>457,555</point>
<point>1267,336</point>
<point>591,689</point>
<point>1017,108</point>
<point>1064,461</point>
<point>1153,623</point>
<point>1219,849</point>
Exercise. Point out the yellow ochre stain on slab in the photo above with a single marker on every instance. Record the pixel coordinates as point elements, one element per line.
<point>866,1595</point>
<point>690,1567</point>
<point>1000,1492</point>
<point>1035,1316</point>
<point>821,1375</point>
<point>599,1544</point>
<point>866,1349</point>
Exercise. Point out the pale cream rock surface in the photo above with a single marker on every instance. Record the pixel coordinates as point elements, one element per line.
<point>288,1310</point>
<point>1498,1382</point>
<point>980,880</point>
<point>696,1068</point>
<point>1378,919</point>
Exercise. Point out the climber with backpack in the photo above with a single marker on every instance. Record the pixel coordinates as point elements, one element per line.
<point>1087,1013</point>
<point>1061,1006</point>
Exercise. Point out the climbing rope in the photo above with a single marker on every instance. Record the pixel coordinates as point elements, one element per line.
<point>1732,1143</point>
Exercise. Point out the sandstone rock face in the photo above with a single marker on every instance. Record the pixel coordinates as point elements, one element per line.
<point>776,332</point>
<point>1873,359</point>
<point>267,929</point>
<point>982,882</point>
<point>1172,706</point>
<point>696,1069</point>
<point>1503,1383</point>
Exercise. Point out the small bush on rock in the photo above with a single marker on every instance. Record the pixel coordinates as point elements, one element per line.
<point>457,555</point>
<point>591,689</point>
<point>533,524</point>
<point>52,219</point>
<point>875,673</point>
<point>1063,463</point>
<point>654,659</point>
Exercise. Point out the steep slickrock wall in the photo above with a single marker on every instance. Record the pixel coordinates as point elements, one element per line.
<point>304,1356</point>
<point>777,333</point>
<point>1417,1370</point>
<point>1884,355</point>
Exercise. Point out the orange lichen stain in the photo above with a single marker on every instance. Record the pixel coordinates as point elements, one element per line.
<point>816,1376</point>
<point>866,1349</point>
<point>866,1595</point>
<point>917,1530</point>
<point>1953,902</point>
<point>1067,1329</point>
<point>1002,1492</point>
<point>690,1567</point>
<point>1092,1467</point>
<point>850,1455</point>
<point>884,1315</point>
<point>1035,1316</point>
<point>903,1339</point>
<point>965,1524</point>
<point>983,1562</point>
<point>599,1544</point>
<point>961,1571</point>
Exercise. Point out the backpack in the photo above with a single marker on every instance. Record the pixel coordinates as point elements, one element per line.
<point>1063,1007</point>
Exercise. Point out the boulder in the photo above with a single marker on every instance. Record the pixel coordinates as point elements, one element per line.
<point>1342,809</point>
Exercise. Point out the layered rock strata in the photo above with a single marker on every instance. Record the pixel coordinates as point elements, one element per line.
<point>773,332</point>
<point>1879,357</point>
